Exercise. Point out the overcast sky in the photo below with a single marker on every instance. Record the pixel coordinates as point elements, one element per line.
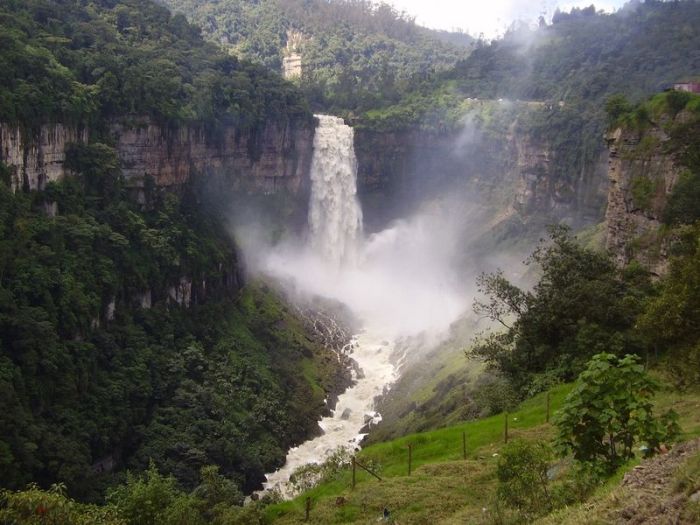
<point>489,17</point>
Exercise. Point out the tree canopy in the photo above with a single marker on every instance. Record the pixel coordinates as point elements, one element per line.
<point>76,63</point>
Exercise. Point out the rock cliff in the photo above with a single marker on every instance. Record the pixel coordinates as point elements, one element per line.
<point>37,157</point>
<point>511,170</point>
<point>642,175</point>
<point>267,161</point>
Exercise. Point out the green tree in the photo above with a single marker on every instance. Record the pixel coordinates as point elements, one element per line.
<point>580,306</point>
<point>616,106</point>
<point>670,319</point>
<point>153,499</point>
<point>609,411</point>
<point>34,506</point>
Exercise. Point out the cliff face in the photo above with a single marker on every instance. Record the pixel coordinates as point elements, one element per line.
<point>37,158</point>
<point>276,158</point>
<point>542,190</point>
<point>511,171</point>
<point>642,176</point>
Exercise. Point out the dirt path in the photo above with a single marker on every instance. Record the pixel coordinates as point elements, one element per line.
<point>649,497</point>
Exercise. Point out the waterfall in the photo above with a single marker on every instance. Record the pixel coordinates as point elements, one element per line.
<point>394,282</point>
<point>335,216</point>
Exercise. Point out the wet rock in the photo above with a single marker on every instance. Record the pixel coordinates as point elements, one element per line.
<point>346,414</point>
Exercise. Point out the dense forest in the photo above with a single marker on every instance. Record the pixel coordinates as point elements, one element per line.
<point>86,64</point>
<point>584,303</point>
<point>356,54</point>
<point>127,334</point>
<point>580,59</point>
<point>144,379</point>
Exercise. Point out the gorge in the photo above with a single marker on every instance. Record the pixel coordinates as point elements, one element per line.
<point>388,281</point>
<point>241,238</point>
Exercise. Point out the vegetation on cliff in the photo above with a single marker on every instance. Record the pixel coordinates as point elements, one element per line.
<point>103,366</point>
<point>84,64</point>
<point>126,334</point>
<point>356,55</point>
<point>582,305</point>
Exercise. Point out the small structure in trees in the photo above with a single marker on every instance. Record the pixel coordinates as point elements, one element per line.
<point>689,86</point>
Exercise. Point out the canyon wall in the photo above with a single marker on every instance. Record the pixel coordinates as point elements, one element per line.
<point>273,159</point>
<point>511,170</point>
<point>37,157</point>
<point>642,175</point>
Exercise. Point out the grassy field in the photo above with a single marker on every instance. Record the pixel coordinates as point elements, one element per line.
<point>443,487</point>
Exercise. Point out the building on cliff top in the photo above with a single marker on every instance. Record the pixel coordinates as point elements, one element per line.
<point>689,86</point>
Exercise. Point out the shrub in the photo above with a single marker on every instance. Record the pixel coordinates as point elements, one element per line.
<point>494,394</point>
<point>308,476</point>
<point>522,477</point>
<point>609,411</point>
<point>154,499</point>
<point>34,506</point>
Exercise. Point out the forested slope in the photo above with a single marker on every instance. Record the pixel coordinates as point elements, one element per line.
<point>75,63</point>
<point>355,55</point>
<point>127,333</point>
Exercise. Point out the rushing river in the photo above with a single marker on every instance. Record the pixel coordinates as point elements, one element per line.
<point>354,410</point>
<point>395,282</point>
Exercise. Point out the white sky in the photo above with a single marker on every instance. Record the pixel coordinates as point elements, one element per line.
<point>490,17</point>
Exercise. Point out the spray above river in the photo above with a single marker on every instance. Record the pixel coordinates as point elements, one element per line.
<point>397,283</point>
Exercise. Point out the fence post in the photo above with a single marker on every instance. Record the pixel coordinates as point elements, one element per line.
<point>308,508</point>
<point>410,457</point>
<point>548,407</point>
<point>464,445</point>
<point>353,471</point>
<point>505,431</point>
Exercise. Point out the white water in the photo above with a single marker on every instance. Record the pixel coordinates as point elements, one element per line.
<point>335,216</point>
<point>355,408</point>
<point>396,282</point>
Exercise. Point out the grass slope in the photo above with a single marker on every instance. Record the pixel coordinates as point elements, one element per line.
<point>444,488</point>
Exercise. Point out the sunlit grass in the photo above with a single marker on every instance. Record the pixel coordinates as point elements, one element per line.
<point>443,487</point>
<point>441,484</point>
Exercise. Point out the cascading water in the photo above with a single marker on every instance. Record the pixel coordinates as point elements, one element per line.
<point>335,228</point>
<point>397,283</point>
<point>335,216</point>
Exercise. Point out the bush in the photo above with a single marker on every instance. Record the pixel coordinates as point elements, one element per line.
<point>494,394</point>
<point>609,411</point>
<point>308,476</point>
<point>682,207</point>
<point>154,499</point>
<point>522,477</point>
<point>34,506</point>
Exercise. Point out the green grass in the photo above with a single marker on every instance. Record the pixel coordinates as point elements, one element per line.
<point>442,483</point>
<point>443,487</point>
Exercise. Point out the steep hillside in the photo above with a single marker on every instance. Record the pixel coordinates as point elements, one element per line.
<point>570,68</point>
<point>349,56</point>
<point>127,331</point>
<point>76,65</point>
<point>654,171</point>
<point>446,487</point>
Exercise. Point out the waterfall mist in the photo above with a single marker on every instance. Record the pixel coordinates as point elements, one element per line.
<point>406,284</point>
<point>400,281</point>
